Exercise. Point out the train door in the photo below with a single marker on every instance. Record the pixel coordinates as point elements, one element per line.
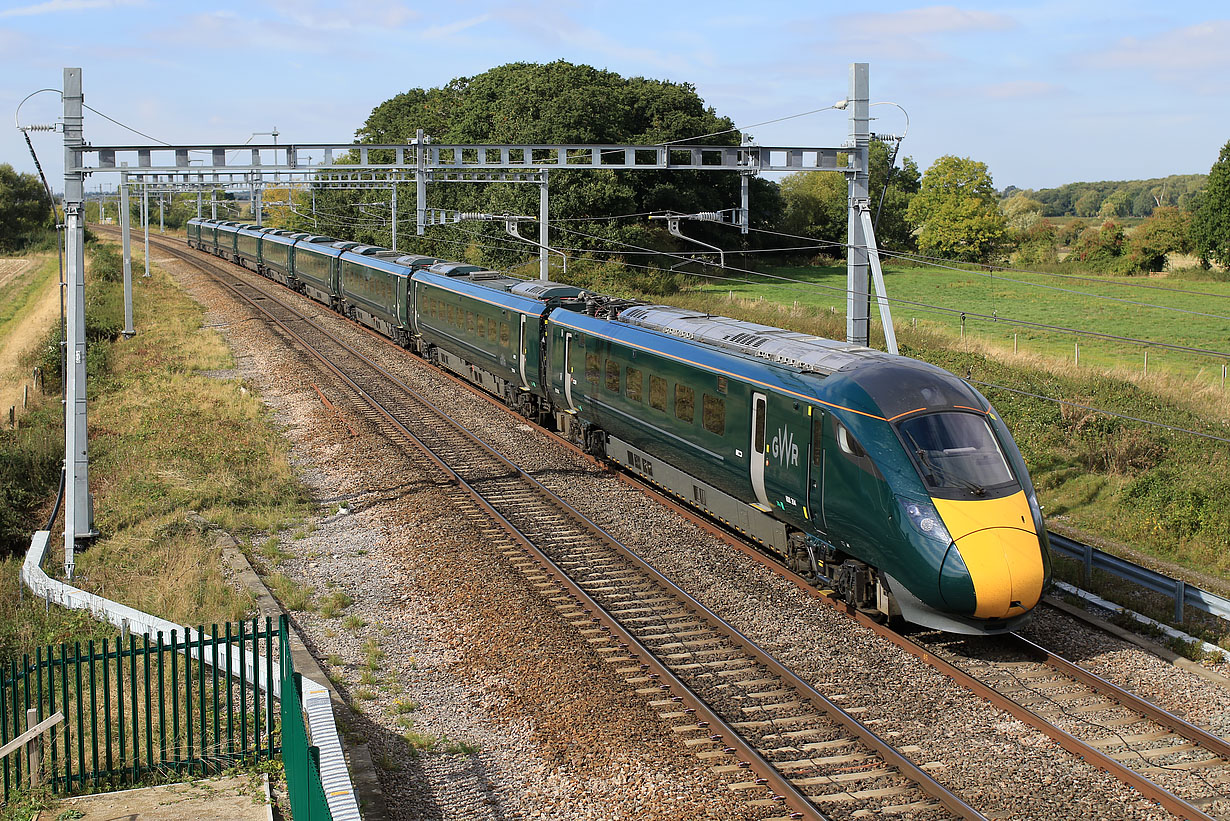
<point>521,354</point>
<point>760,411</point>
<point>568,377</point>
<point>815,469</point>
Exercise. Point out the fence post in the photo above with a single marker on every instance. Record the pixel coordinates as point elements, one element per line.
<point>34,748</point>
<point>1180,593</point>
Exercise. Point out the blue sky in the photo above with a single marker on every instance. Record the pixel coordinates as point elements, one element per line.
<point>1044,94</point>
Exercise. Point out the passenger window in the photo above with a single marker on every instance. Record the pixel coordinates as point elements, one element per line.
<point>685,402</point>
<point>482,328</point>
<point>714,418</point>
<point>612,376</point>
<point>504,334</point>
<point>470,321</point>
<point>721,385</point>
<point>491,329</point>
<point>592,367</point>
<point>634,384</point>
<point>657,393</point>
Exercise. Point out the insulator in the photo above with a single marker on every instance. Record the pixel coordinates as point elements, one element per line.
<point>710,216</point>
<point>39,128</point>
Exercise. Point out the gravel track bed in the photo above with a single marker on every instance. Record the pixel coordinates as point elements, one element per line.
<point>997,763</point>
<point>523,718</point>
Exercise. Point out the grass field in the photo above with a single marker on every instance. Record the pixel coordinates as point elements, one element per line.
<point>934,298</point>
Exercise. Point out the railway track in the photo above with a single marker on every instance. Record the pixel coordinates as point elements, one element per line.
<point>1183,767</point>
<point>731,702</point>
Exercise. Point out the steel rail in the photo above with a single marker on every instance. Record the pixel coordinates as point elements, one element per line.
<point>780,784</point>
<point>1212,743</point>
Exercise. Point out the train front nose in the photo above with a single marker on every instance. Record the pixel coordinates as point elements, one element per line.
<point>1001,551</point>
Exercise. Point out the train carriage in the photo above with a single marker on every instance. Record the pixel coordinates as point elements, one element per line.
<point>224,239</point>
<point>478,325</point>
<point>375,288</point>
<point>193,230</point>
<point>314,260</point>
<point>248,246</point>
<point>275,248</point>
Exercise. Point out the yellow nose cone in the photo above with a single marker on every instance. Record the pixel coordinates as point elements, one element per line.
<point>1001,550</point>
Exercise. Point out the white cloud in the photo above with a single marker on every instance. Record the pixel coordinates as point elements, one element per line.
<point>56,6</point>
<point>1199,47</point>
<point>450,29</point>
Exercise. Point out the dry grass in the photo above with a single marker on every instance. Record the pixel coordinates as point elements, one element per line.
<point>166,439</point>
<point>31,305</point>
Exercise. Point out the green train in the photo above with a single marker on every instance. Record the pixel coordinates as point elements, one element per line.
<point>891,481</point>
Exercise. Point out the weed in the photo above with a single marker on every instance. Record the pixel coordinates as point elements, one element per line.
<point>334,660</point>
<point>372,654</point>
<point>292,594</point>
<point>369,678</point>
<point>451,747</point>
<point>353,622</point>
<point>335,601</point>
<point>272,553</point>
<point>419,742</point>
<point>365,694</point>
<point>403,706</point>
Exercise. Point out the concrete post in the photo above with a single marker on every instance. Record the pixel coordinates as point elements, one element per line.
<point>125,232</point>
<point>213,203</point>
<point>857,280</point>
<point>162,226</point>
<point>78,516</point>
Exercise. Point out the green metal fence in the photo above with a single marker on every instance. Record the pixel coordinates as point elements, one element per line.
<point>300,758</point>
<point>138,710</point>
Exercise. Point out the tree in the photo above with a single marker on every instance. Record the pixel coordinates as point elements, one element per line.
<point>1118,204</point>
<point>25,212</point>
<point>817,204</point>
<point>1165,232</point>
<point>955,211</point>
<point>552,103</point>
<point>1210,230</point>
<point>1022,213</point>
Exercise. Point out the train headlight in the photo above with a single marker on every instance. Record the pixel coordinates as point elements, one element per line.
<point>925,520</point>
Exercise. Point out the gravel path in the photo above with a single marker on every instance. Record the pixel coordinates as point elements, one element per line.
<point>483,660</point>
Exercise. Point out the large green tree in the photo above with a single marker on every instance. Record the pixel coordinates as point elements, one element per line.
<point>25,213</point>
<point>555,103</point>
<point>1210,230</point>
<point>956,213</point>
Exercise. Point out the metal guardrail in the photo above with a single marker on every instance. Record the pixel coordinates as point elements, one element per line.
<point>1184,594</point>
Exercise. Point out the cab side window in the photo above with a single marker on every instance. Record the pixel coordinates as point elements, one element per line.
<point>612,376</point>
<point>851,449</point>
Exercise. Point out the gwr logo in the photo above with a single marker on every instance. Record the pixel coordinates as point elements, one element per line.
<point>784,449</point>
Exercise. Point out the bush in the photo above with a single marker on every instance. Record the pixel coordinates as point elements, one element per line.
<point>30,460</point>
<point>106,263</point>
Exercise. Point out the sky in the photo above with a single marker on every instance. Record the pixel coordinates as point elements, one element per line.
<point>1044,94</point>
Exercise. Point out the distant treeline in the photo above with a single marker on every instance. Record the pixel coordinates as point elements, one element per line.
<point>1128,198</point>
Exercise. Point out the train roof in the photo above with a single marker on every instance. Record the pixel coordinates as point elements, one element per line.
<point>370,257</point>
<point>804,352</point>
<point>884,386</point>
<point>495,289</point>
